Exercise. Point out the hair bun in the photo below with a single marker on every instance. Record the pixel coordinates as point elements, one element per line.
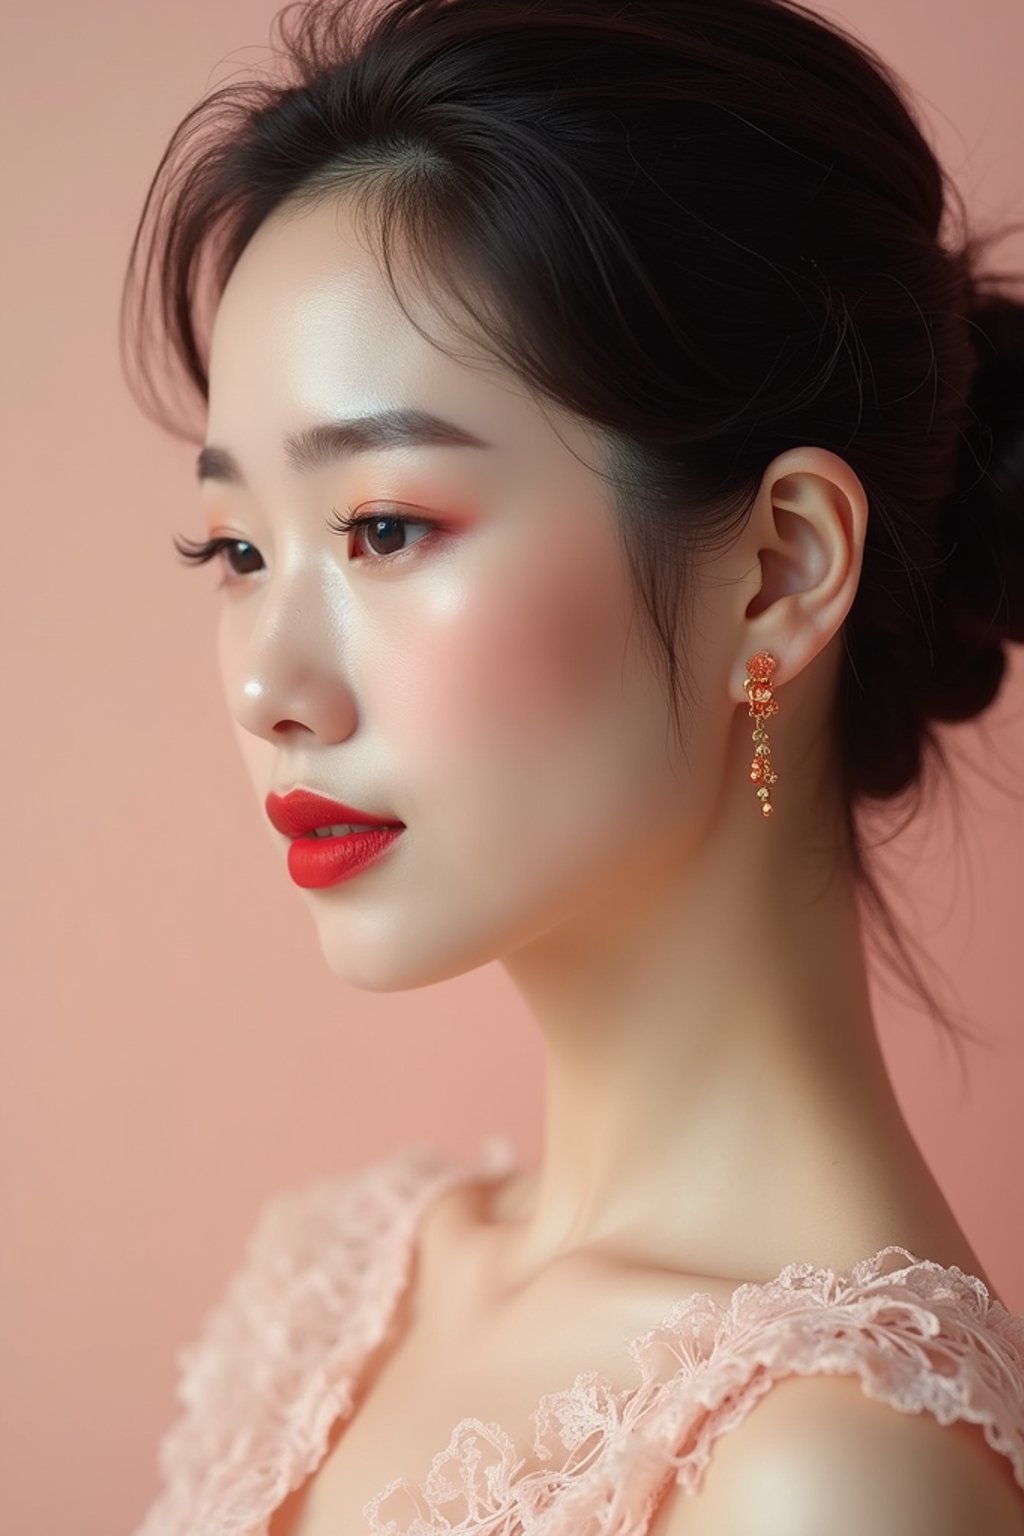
<point>979,585</point>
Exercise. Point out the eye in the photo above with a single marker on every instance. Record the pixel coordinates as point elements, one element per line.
<point>209,549</point>
<point>239,553</point>
<point>383,527</point>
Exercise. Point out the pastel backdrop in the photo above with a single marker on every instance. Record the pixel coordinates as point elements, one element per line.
<point>174,1048</point>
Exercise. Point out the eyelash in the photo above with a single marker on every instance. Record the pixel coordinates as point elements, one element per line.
<point>198,553</point>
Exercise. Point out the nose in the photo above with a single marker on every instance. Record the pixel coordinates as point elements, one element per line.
<point>282,658</point>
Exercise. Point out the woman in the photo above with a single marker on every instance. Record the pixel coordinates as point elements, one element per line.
<point>615,475</point>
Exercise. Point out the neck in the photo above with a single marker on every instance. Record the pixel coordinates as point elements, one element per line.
<point>715,1095</point>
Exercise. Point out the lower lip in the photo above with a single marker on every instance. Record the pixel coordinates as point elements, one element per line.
<point>320,861</point>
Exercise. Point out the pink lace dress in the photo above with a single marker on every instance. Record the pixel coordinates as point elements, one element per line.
<point>278,1358</point>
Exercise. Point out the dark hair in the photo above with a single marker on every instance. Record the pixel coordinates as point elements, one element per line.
<point>712,228</point>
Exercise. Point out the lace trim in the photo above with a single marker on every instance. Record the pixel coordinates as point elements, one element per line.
<point>921,1337</point>
<point>278,1359</point>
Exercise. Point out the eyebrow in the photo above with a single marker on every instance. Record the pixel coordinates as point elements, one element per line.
<point>315,447</point>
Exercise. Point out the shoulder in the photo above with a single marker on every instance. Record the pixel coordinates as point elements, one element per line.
<point>820,1454</point>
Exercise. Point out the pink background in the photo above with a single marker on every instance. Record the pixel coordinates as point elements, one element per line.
<point>174,1048</point>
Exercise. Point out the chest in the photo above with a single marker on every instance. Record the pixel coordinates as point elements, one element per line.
<point>464,1406</point>
<point>416,1416</point>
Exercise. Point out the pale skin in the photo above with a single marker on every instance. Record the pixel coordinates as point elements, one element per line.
<point>716,1103</point>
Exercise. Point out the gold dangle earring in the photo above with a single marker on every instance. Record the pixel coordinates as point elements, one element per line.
<point>758,684</point>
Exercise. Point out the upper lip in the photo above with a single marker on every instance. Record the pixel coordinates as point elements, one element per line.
<point>302,811</point>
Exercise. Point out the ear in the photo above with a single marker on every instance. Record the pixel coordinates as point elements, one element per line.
<point>803,545</point>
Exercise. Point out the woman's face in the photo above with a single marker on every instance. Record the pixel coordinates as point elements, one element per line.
<point>478,675</point>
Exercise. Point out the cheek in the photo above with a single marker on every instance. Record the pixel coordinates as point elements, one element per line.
<point>525,660</point>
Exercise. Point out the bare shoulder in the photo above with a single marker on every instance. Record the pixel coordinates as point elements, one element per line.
<point>817,1454</point>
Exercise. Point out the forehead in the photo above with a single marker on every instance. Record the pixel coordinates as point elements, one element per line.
<point>308,328</point>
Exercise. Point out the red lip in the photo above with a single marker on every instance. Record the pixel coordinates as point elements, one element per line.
<point>301,811</point>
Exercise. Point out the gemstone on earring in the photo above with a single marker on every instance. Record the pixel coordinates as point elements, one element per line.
<point>761,666</point>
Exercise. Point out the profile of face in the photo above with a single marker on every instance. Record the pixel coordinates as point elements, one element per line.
<point>476,670</point>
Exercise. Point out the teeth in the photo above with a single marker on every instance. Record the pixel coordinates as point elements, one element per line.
<point>337,831</point>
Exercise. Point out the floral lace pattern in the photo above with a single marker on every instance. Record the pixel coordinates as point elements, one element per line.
<point>277,1361</point>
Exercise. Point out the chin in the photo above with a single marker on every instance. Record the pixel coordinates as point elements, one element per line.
<point>401,944</point>
<point>396,963</point>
